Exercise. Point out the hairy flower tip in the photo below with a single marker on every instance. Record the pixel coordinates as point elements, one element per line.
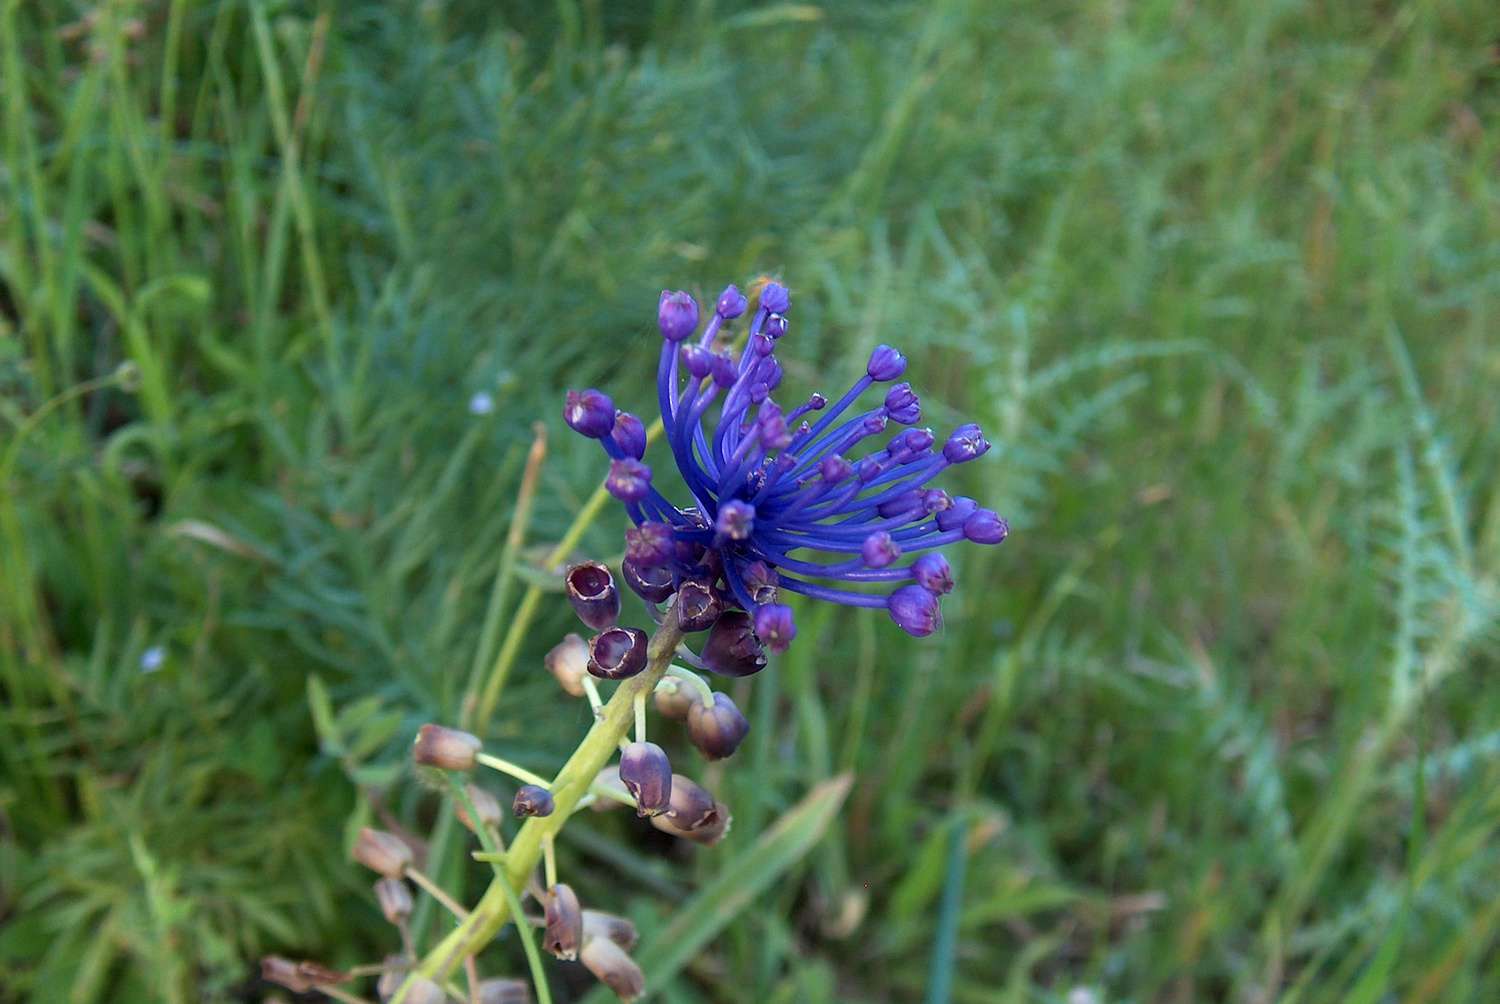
<point>628,480</point>
<point>503,991</point>
<point>568,661</point>
<point>564,917</point>
<point>731,303</point>
<point>614,968</point>
<point>652,583</point>
<point>650,544</point>
<point>617,653</point>
<point>775,626</point>
<point>676,315</point>
<point>531,800</point>
<point>902,404</point>
<point>381,852</point>
<point>394,897</point>
<point>984,527</point>
<point>954,517</point>
<point>589,412</point>
<point>885,364</point>
<point>736,520</point>
<point>647,775</point>
<point>915,610</point>
<point>591,589</point>
<point>598,924</point>
<point>485,804</point>
<point>717,731</point>
<point>445,748</point>
<point>933,574</point>
<point>299,977</point>
<point>775,298</point>
<point>629,435</point>
<point>733,648</point>
<point>879,550</point>
<point>698,605</point>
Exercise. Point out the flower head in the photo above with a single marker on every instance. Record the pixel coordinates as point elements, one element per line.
<point>779,500</point>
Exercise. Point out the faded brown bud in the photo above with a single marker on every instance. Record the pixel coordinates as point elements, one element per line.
<point>448,749</point>
<point>717,731</point>
<point>531,800</point>
<point>299,977</point>
<point>487,805</point>
<point>568,662</point>
<point>393,970</point>
<point>591,590</point>
<point>598,924</point>
<point>732,648</point>
<point>395,899</point>
<point>673,698</point>
<point>424,991</point>
<point>612,967</point>
<point>608,778</point>
<point>693,814</point>
<point>564,922</point>
<point>647,775</point>
<point>382,852</point>
<point>501,991</point>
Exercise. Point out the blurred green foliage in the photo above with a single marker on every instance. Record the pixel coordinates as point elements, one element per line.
<point>1221,280</point>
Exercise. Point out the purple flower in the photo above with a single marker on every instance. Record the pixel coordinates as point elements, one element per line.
<point>801,499</point>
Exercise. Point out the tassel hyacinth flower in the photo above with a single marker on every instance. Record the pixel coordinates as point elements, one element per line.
<point>804,499</point>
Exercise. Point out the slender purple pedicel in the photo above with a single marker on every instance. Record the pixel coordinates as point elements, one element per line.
<point>778,504</point>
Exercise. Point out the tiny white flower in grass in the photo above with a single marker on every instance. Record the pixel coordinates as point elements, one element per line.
<point>482,403</point>
<point>153,658</point>
<point>1084,995</point>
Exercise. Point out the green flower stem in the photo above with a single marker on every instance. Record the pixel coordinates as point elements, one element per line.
<point>571,784</point>
<point>514,770</point>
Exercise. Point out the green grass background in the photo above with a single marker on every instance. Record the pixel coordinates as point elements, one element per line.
<point>1222,281</point>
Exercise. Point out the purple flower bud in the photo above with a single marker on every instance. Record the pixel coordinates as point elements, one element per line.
<point>531,800</point>
<point>936,500</point>
<point>618,653</point>
<point>732,648</point>
<point>629,435</point>
<point>915,611</point>
<point>868,469</point>
<point>909,501</point>
<point>736,520</point>
<point>724,370</point>
<point>717,731</point>
<point>772,424</point>
<point>612,967</point>
<point>902,405</point>
<point>879,550</point>
<point>770,373</point>
<point>382,852</point>
<point>835,468</point>
<point>591,590</point>
<point>762,345</point>
<point>933,573</point>
<point>698,360</point>
<point>445,748</point>
<point>775,626</point>
<point>651,583</point>
<point>628,480</point>
<point>775,325</point>
<point>874,424</point>
<point>775,298</point>
<point>817,402</point>
<point>984,527</point>
<point>761,582</point>
<point>953,517</point>
<point>647,775</point>
<point>909,445</point>
<point>568,661</point>
<point>885,364</point>
<point>694,814</point>
<point>966,443</point>
<point>564,918</point>
<point>731,303</point>
<point>676,315</point>
<point>698,606</point>
<point>650,544</point>
<point>589,412</point>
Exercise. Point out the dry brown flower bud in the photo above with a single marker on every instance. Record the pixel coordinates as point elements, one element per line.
<point>568,662</point>
<point>564,922</point>
<point>395,899</point>
<point>674,699</point>
<point>598,924</point>
<point>531,800</point>
<point>487,805</point>
<point>612,967</point>
<point>393,970</point>
<point>693,814</point>
<point>298,977</point>
<point>382,852</point>
<point>448,749</point>
<point>424,991</point>
<point>501,991</point>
